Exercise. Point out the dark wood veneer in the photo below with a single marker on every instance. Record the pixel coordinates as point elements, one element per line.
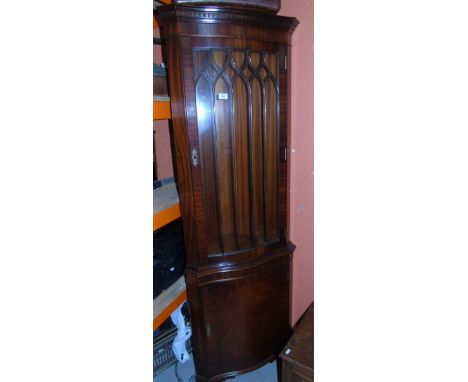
<point>228,80</point>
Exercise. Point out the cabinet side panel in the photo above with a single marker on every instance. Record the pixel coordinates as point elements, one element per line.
<point>271,147</point>
<point>182,148</point>
<point>194,146</point>
<point>283,138</point>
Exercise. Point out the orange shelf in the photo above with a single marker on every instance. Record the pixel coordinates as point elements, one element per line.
<point>166,313</point>
<point>160,219</point>
<point>168,301</point>
<point>161,110</point>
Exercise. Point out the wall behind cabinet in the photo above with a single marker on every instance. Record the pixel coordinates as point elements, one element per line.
<point>301,213</point>
<point>161,129</point>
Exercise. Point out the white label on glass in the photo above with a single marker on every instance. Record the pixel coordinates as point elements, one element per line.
<point>223,96</point>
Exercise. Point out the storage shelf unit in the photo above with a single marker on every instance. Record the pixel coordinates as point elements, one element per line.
<point>166,209</point>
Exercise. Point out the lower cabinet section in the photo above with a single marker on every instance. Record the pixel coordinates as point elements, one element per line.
<point>240,315</point>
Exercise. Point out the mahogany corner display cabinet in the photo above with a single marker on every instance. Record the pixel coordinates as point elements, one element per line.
<point>228,77</point>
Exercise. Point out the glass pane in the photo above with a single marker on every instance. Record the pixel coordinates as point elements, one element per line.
<point>242,165</point>
<point>224,162</point>
<point>238,57</point>
<point>219,57</point>
<point>270,61</point>
<point>254,59</point>
<point>207,162</point>
<point>201,60</point>
<point>239,155</point>
<point>257,162</point>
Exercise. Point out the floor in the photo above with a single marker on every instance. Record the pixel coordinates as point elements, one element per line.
<point>186,373</point>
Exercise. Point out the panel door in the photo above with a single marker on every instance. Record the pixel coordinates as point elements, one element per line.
<point>245,316</point>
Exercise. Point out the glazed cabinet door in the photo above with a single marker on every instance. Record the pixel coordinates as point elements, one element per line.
<point>237,104</point>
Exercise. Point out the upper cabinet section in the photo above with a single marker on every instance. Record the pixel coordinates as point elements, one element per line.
<point>228,82</point>
<point>223,22</point>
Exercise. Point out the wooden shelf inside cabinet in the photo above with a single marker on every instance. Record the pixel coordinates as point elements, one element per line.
<point>165,205</point>
<point>168,301</point>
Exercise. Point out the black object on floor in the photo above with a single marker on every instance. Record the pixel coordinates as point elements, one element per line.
<point>168,256</point>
